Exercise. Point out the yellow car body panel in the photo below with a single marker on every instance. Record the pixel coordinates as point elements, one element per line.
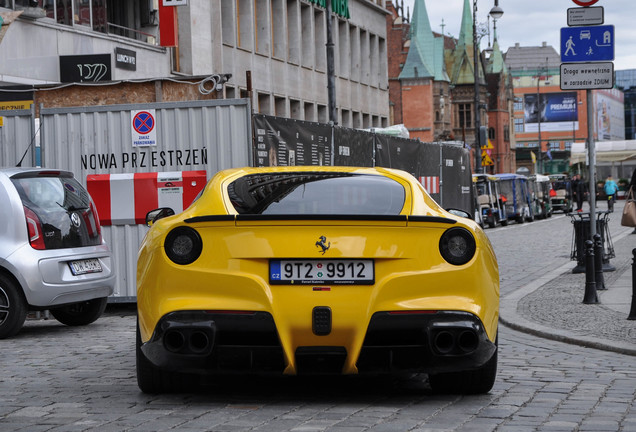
<point>232,272</point>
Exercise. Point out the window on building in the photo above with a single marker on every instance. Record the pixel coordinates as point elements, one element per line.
<point>567,145</point>
<point>554,146</point>
<point>323,115</point>
<point>491,133</point>
<point>81,12</point>
<point>136,19</point>
<point>345,118</point>
<point>382,78</point>
<point>506,133</point>
<point>465,116</point>
<point>280,107</point>
<point>262,22</point>
<point>227,23</point>
<point>356,121</point>
<point>366,121</point>
<point>293,32</point>
<point>373,61</point>
<point>519,125</point>
<point>307,38</point>
<point>518,104</point>
<point>364,57</point>
<point>354,42</point>
<point>278,29</point>
<point>344,50</point>
<point>264,104</point>
<point>310,111</point>
<point>244,23</point>
<point>294,109</point>
<point>320,39</point>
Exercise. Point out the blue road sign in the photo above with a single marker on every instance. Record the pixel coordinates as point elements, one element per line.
<point>587,44</point>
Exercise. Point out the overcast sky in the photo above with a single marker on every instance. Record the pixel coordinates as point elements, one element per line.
<point>531,22</point>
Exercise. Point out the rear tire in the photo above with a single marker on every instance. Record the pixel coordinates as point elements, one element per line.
<point>153,380</point>
<point>79,314</point>
<point>13,307</point>
<point>478,381</point>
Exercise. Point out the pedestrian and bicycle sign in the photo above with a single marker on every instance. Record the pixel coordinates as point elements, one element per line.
<point>587,44</point>
<point>144,132</point>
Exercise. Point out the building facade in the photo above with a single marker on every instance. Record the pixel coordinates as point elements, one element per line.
<point>432,86</point>
<point>273,51</point>
<point>626,82</point>
<point>549,120</point>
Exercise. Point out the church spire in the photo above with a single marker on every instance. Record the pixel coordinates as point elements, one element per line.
<point>466,30</point>
<point>426,54</point>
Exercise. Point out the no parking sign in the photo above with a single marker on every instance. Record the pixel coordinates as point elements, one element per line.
<point>144,132</point>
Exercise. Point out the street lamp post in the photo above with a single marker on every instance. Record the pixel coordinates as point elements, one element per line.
<point>496,12</point>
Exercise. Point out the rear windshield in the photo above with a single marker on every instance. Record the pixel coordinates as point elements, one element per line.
<point>64,210</point>
<point>316,193</point>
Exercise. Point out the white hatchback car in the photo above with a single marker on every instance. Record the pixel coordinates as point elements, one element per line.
<point>52,255</point>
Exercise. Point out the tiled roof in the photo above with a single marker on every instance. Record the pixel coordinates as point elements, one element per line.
<point>528,59</point>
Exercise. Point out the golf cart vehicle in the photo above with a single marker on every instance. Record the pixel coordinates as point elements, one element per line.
<point>561,195</point>
<point>488,202</point>
<point>516,197</point>
<point>540,188</point>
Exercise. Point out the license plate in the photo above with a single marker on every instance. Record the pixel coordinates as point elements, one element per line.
<point>327,272</point>
<point>81,267</point>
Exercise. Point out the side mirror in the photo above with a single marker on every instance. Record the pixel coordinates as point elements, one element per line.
<point>156,214</point>
<point>460,213</point>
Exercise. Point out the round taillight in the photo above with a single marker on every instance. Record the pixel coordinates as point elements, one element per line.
<point>457,246</point>
<point>183,245</point>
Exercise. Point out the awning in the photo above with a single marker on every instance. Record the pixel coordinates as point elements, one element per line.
<point>606,151</point>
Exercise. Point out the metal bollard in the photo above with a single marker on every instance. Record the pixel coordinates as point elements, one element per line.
<point>632,311</point>
<point>598,262</point>
<point>590,283</point>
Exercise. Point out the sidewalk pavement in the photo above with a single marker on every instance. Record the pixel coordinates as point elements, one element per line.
<point>552,306</point>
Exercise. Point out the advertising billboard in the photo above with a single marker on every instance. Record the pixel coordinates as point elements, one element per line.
<point>553,112</point>
<point>610,115</point>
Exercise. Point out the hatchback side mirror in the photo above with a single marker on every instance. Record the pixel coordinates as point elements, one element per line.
<point>156,214</point>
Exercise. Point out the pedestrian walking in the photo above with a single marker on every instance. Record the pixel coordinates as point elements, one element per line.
<point>610,188</point>
<point>579,190</point>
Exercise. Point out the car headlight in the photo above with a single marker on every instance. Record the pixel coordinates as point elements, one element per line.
<point>457,246</point>
<point>183,245</point>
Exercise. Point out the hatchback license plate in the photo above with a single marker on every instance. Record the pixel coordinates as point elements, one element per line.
<point>327,272</point>
<point>85,266</point>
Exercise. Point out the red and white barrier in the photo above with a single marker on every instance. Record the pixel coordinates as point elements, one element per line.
<point>124,199</point>
<point>430,183</point>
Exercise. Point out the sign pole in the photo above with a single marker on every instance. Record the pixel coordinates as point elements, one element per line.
<point>592,158</point>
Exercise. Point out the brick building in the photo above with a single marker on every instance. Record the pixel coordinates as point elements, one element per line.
<point>432,85</point>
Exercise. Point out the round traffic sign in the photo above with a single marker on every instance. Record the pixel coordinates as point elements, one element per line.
<point>143,122</point>
<point>585,2</point>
